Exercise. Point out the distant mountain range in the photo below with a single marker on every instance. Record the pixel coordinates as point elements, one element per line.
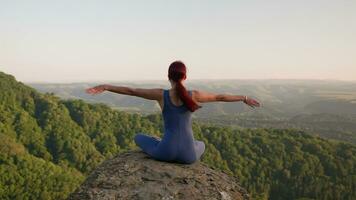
<point>325,108</point>
<point>280,98</point>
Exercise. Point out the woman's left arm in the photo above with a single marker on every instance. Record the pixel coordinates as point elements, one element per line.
<point>151,94</point>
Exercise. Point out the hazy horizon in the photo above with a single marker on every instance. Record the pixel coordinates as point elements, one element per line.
<point>86,41</point>
<point>190,80</point>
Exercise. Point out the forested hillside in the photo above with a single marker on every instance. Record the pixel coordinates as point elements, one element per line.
<point>49,145</point>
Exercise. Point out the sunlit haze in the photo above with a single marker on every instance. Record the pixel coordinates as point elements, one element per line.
<point>73,41</point>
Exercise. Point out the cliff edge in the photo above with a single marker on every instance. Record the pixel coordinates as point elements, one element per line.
<point>134,175</point>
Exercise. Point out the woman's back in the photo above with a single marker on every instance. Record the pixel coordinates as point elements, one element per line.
<point>178,144</point>
<point>177,119</point>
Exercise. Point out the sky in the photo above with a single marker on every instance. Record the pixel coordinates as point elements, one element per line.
<point>76,41</point>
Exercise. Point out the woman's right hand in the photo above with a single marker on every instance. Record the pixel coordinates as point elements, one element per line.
<point>251,102</point>
<point>97,89</point>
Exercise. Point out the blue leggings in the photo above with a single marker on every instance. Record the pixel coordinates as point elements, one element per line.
<point>186,152</point>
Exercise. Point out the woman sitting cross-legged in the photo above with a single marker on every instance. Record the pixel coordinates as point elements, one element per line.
<point>177,104</point>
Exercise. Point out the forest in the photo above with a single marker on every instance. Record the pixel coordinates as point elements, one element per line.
<point>48,146</point>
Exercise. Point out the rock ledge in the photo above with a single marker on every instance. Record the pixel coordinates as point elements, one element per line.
<point>134,175</point>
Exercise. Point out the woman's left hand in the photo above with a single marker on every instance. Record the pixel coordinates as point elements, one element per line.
<point>97,89</point>
<point>251,102</point>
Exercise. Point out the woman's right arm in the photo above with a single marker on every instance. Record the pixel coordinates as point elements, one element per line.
<point>151,94</point>
<point>204,97</point>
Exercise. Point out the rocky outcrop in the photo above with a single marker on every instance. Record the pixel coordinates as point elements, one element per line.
<point>134,175</point>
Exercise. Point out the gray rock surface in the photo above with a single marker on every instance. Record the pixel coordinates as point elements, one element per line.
<point>134,175</point>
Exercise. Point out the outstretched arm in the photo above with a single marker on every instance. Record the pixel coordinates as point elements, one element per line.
<point>151,94</point>
<point>204,97</point>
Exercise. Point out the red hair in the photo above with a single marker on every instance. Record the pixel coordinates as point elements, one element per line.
<point>178,72</point>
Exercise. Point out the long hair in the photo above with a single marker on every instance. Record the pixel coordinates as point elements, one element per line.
<point>178,72</point>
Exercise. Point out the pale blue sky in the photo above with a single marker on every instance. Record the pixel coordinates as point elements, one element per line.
<point>61,41</point>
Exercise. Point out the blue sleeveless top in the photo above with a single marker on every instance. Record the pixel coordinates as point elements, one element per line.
<point>178,140</point>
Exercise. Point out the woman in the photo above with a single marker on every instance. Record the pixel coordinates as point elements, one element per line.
<point>177,105</point>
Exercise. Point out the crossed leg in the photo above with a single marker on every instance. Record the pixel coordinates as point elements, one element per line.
<point>147,143</point>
